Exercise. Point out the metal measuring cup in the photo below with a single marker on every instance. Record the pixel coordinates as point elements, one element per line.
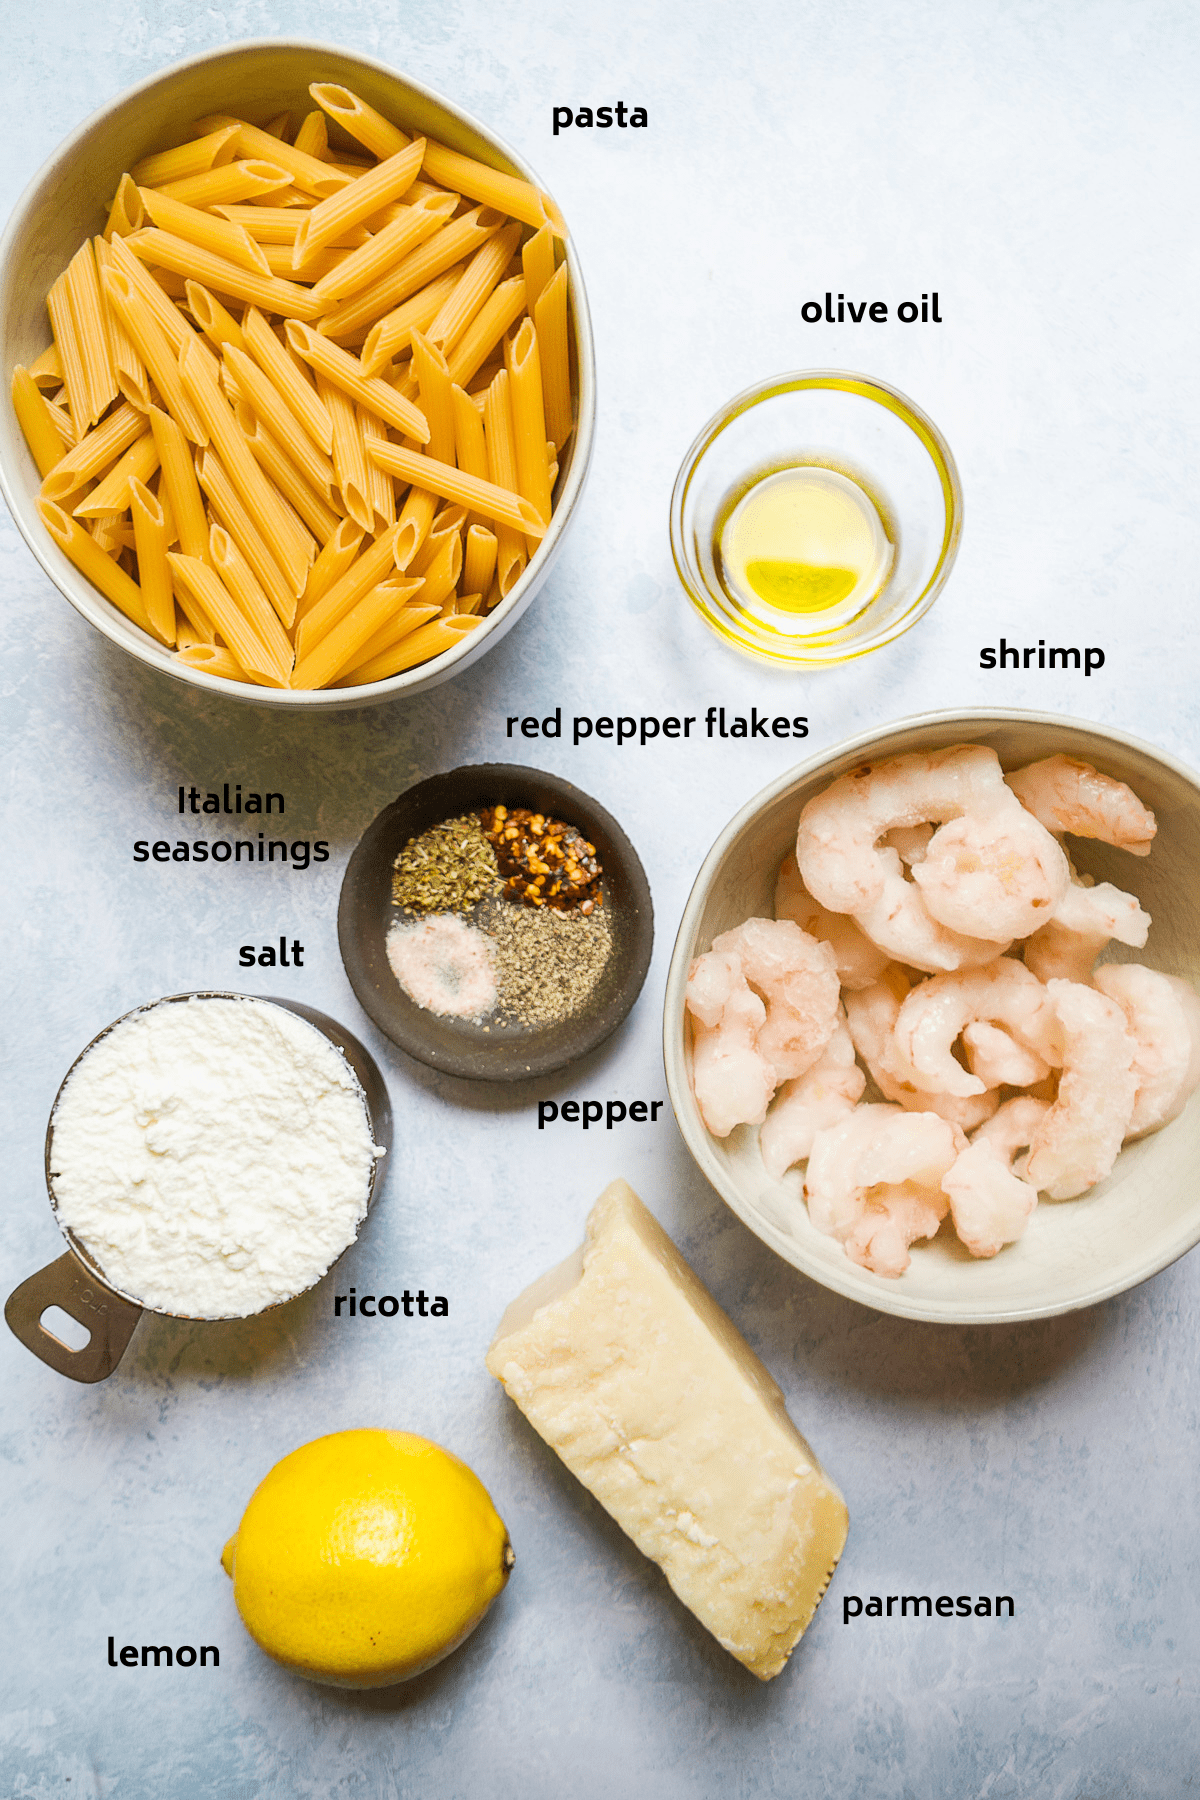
<point>76,1283</point>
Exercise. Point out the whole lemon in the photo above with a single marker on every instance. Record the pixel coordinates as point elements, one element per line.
<point>365,1557</point>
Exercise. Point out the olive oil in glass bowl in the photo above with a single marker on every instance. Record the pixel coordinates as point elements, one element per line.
<point>815,518</point>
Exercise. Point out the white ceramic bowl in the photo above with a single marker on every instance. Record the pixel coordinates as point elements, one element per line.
<point>1075,1252</point>
<point>68,199</point>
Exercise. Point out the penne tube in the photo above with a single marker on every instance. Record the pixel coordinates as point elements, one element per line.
<point>352,204</point>
<point>165,250</point>
<point>192,158</point>
<point>431,548</point>
<point>367,571</point>
<point>279,126</point>
<point>295,388</point>
<point>252,179</point>
<point>60,418</point>
<point>345,372</point>
<point>451,518</point>
<point>358,120</point>
<point>468,604</point>
<point>433,386</point>
<point>470,447</point>
<point>46,369</point>
<point>286,197</point>
<point>179,479</point>
<point>125,214</point>
<point>152,346</point>
<point>506,193</point>
<point>270,407</point>
<point>381,490</point>
<point>431,640</point>
<point>154,572</point>
<point>186,638</point>
<point>393,334</point>
<point>537,263</point>
<point>382,253</point>
<point>91,330</point>
<point>502,309</point>
<point>331,565</point>
<point>107,533</point>
<point>112,495</point>
<point>307,172</point>
<point>550,320</point>
<point>279,225</point>
<point>133,381</point>
<point>209,233</point>
<point>414,523</point>
<point>459,238</point>
<point>349,455</point>
<point>410,618</point>
<point>240,581</point>
<point>467,490</point>
<point>226,503</point>
<point>215,321</point>
<point>110,439</point>
<point>511,554</point>
<point>478,281</point>
<point>251,653</point>
<point>523,361</point>
<point>441,576</point>
<point>320,518</point>
<point>33,416</point>
<point>290,544</point>
<point>479,560</point>
<point>339,646</point>
<point>174,286</point>
<point>313,137</point>
<point>62,324</point>
<point>321,262</point>
<point>168,318</point>
<point>213,659</point>
<point>90,560</point>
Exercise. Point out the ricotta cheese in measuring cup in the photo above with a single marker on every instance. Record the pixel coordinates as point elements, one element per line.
<point>213,1155</point>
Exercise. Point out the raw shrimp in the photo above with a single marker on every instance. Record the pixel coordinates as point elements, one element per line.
<point>1068,795</point>
<point>874,1145</point>
<point>894,1217</point>
<point>733,1082</point>
<point>811,1103</point>
<point>934,1014</point>
<point>859,962</point>
<point>796,977</point>
<point>998,1059</point>
<point>1086,922</point>
<point>993,874</point>
<point>872,1016</point>
<point>990,1201</point>
<point>901,924</point>
<point>1077,1141</point>
<point>1163,1014</point>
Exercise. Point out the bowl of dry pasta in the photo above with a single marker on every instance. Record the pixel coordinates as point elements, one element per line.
<point>303,389</point>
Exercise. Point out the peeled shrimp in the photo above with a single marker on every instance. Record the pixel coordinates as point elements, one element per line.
<point>1163,1014</point>
<point>859,962</point>
<point>998,1059</point>
<point>732,1080</point>
<point>796,976</point>
<point>1085,923</point>
<point>811,1103</point>
<point>901,924</point>
<point>1077,1141</point>
<point>871,1016</point>
<point>874,1145</point>
<point>993,874</point>
<point>1068,795</point>
<point>990,1201</point>
<point>935,1013</point>
<point>894,1217</point>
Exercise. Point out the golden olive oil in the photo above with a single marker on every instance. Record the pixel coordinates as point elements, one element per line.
<point>799,542</point>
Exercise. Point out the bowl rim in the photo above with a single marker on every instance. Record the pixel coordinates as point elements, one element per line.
<point>891,1297</point>
<point>98,612</point>
<point>881,393</point>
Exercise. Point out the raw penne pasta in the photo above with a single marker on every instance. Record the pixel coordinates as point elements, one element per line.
<point>154,572</point>
<point>468,490</point>
<point>349,455</point>
<point>319,516</point>
<point>151,345</point>
<point>345,372</point>
<point>381,490</point>
<point>279,225</point>
<point>198,227</point>
<point>97,451</point>
<point>271,408</point>
<point>240,581</point>
<point>168,318</point>
<point>550,320</point>
<point>467,604</point>
<point>252,654</point>
<point>164,250</point>
<point>212,659</point>
<point>470,447</point>
<point>479,559</point>
<point>295,389</point>
<point>420,646</point>
<point>179,479</point>
<point>506,193</point>
<point>441,576</point>
<point>125,214</point>
<point>477,282</point>
<point>448,245</point>
<point>511,554</point>
<point>502,309</point>
<point>413,525</point>
<point>60,418</point>
<point>331,565</point>
<point>81,548</point>
<point>362,122</point>
<point>313,137</point>
<point>356,202</point>
<point>433,387</point>
<point>307,172</point>
<point>129,368</point>
<point>367,571</point>
<point>91,331</point>
<point>537,263</point>
<point>522,359</point>
<point>226,503</point>
<point>431,548</point>
<point>62,324</point>
<point>33,415</point>
<point>251,179</point>
<point>112,495</point>
<point>192,158</point>
<point>215,321</point>
<point>386,249</point>
<point>409,619</point>
<point>393,334</point>
<point>46,369</point>
<point>279,126</point>
<point>321,262</point>
<point>340,645</point>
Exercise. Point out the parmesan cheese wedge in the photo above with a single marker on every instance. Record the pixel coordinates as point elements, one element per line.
<point>623,1361</point>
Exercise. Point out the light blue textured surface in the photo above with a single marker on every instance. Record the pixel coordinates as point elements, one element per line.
<point>1035,164</point>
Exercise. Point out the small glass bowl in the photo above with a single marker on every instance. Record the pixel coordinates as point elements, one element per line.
<point>863,429</point>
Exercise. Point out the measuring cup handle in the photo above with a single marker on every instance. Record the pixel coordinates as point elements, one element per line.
<point>110,1320</point>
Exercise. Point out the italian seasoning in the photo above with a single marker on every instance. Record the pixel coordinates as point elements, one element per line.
<point>449,868</point>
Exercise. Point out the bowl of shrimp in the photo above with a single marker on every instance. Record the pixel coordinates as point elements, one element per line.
<point>932,1021</point>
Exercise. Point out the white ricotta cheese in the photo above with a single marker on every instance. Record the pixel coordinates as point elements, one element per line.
<point>626,1365</point>
<point>212,1155</point>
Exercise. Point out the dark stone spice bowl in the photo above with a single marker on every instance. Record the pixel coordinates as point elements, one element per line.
<point>505,1052</point>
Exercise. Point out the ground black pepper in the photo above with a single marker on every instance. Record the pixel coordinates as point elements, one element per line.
<point>547,963</point>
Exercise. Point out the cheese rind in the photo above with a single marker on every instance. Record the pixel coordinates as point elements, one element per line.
<point>623,1361</point>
